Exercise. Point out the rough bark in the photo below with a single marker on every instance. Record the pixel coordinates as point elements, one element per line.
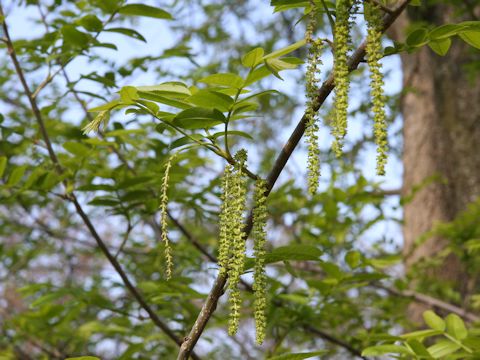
<point>441,111</point>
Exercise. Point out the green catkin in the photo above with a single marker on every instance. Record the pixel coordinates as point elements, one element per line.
<point>340,71</point>
<point>237,239</point>
<point>225,220</point>
<point>374,53</point>
<point>163,220</point>
<point>312,80</point>
<point>259,276</point>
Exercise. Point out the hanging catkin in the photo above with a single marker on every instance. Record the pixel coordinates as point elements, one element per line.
<point>259,276</point>
<point>163,219</point>
<point>312,80</point>
<point>374,52</point>
<point>237,238</point>
<point>340,71</point>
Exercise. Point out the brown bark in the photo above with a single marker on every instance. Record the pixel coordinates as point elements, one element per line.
<point>441,110</point>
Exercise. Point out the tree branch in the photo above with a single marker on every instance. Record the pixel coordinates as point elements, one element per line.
<point>325,90</point>
<point>73,199</point>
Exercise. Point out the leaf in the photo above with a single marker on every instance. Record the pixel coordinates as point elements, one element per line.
<point>286,50</point>
<point>421,334</point>
<point>108,106</point>
<point>16,175</point>
<point>298,356</point>
<point>73,37</point>
<point>385,349</point>
<point>471,37</point>
<point>198,118</point>
<point>76,148</point>
<point>144,10</point>
<point>353,258</point>
<point>293,252</point>
<point>456,327</point>
<point>277,65</point>
<point>3,165</point>
<point>253,57</point>
<point>443,348</point>
<point>445,31</point>
<point>171,89</point>
<point>223,79</point>
<point>441,47</point>
<point>417,37</point>
<point>91,23</point>
<point>232,132</point>
<point>211,100</point>
<point>83,358</point>
<point>128,95</point>
<point>419,349</point>
<point>128,32</point>
<point>434,321</point>
<point>185,140</point>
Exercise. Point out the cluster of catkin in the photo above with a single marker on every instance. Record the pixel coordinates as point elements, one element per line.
<point>232,245</point>
<point>341,47</point>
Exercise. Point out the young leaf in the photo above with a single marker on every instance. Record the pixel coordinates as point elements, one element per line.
<point>441,47</point>
<point>144,10</point>
<point>223,79</point>
<point>286,50</point>
<point>128,32</point>
<point>385,349</point>
<point>434,321</point>
<point>456,327</point>
<point>253,57</point>
<point>198,118</point>
<point>3,164</point>
<point>211,100</point>
<point>298,356</point>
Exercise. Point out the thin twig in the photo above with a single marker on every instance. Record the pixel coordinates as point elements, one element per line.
<point>431,301</point>
<point>219,284</point>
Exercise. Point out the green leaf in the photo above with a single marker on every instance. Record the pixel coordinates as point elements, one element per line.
<point>286,50</point>
<point>91,23</point>
<point>144,10</point>
<point>128,94</point>
<point>298,356</point>
<point>232,132</point>
<point>198,118</point>
<point>419,349</point>
<point>417,38</point>
<point>224,79</point>
<point>253,57</point>
<point>3,165</point>
<point>76,148</point>
<point>16,175</point>
<point>421,334</point>
<point>441,47</point>
<point>434,321</point>
<point>83,358</point>
<point>443,348</point>
<point>73,37</point>
<point>385,349</point>
<point>108,106</point>
<point>471,37</point>
<point>176,90</point>
<point>456,327</point>
<point>277,65</point>
<point>353,258</point>
<point>128,32</point>
<point>211,100</point>
<point>293,252</point>
<point>445,31</point>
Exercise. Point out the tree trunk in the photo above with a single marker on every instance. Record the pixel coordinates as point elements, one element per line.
<point>441,111</point>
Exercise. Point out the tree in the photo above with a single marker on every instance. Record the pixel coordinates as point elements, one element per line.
<point>127,203</point>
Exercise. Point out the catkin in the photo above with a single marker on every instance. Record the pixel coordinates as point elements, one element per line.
<point>259,276</point>
<point>225,221</point>
<point>374,53</point>
<point>237,259</point>
<point>163,219</point>
<point>312,80</point>
<point>340,71</point>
